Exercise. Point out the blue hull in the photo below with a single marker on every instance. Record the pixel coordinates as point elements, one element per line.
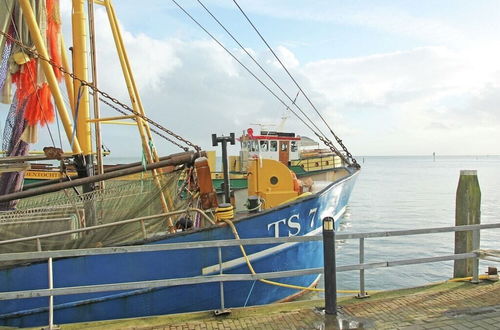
<point>299,218</point>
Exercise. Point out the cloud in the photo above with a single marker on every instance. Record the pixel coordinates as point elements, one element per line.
<point>412,101</point>
<point>382,16</point>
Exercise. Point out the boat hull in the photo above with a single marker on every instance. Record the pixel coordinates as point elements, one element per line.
<point>302,217</point>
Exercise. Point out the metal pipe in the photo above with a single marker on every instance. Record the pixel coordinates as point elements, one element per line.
<point>135,99</point>
<point>51,297</point>
<point>362,291</point>
<point>106,170</point>
<point>68,81</point>
<point>475,263</point>
<point>225,169</point>
<point>110,118</point>
<point>219,251</point>
<point>49,73</point>
<point>127,75</point>
<point>188,158</point>
<point>144,130</point>
<point>133,85</point>
<point>80,69</point>
<point>95,96</point>
<point>208,244</point>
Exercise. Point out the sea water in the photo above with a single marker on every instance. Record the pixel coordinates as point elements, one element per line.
<point>399,193</point>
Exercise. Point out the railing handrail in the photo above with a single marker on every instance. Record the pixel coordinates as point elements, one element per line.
<point>420,231</point>
<point>216,278</point>
<point>221,278</point>
<point>228,243</point>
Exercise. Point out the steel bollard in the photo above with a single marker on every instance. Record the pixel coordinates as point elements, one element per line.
<point>329,266</point>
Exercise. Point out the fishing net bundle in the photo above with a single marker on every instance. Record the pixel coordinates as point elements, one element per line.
<point>24,70</point>
<point>13,146</point>
<point>4,61</point>
<point>32,102</point>
<point>123,199</point>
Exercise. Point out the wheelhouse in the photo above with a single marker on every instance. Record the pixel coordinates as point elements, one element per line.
<point>280,146</point>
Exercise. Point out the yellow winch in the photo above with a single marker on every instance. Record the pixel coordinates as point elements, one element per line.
<point>225,211</point>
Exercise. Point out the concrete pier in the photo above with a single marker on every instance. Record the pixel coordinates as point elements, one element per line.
<point>450,305</point>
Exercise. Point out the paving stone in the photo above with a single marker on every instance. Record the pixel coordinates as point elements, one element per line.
<point>459,307</point>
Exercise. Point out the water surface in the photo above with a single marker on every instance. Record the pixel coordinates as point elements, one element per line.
<point>394,193</point>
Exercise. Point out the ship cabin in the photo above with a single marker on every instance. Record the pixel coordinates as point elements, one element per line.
<point>279,146</point>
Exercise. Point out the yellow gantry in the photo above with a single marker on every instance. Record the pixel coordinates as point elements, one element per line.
<point>135,99</point>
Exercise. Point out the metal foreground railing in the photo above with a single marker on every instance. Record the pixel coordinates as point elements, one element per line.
<point>219,244</point>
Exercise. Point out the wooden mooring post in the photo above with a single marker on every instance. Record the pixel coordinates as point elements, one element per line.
<point>467,212</point>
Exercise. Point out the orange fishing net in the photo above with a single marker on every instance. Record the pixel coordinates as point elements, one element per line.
<point>54,33</point>
<point>39,108</point>
<point>25,79</point>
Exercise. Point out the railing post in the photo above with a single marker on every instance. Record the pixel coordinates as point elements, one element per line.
<point>219,250</point>
<point>362,291</point>
<point>329,266</point>
<point>475,262</point>
<point>467,212</point>
<point>51,297</point>
<point>222,310</point>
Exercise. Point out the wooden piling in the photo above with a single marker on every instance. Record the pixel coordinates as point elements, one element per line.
<point>467,212</point>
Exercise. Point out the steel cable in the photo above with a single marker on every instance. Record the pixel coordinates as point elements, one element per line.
<point>339,141</point>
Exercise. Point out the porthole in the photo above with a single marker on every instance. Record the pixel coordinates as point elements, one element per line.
<point>273,180</point>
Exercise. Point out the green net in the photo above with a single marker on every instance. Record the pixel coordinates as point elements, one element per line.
<point>69,210</point>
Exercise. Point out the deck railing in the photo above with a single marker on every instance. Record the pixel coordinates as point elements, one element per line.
<point>221,278</point>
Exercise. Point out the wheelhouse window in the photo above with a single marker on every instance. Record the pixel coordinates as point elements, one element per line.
<point>284,146</point>
<point>293,146</point>
<point>264,146</point>
<point>273,145</point>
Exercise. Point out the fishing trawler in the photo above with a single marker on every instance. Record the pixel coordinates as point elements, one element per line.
<point>174,200</point>
<point>301,154</point>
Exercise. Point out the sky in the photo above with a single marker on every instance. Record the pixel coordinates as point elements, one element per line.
<point>390,77</point>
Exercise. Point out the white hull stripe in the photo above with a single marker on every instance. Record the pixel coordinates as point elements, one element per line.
<point>264,253</point>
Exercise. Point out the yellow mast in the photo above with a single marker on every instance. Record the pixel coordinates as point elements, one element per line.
<point>49,73</point>
<point>142,125</point>
<point>80,69</point>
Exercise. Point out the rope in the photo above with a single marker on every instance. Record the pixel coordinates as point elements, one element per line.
<point>467,279</point>
<point>284,285</point>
